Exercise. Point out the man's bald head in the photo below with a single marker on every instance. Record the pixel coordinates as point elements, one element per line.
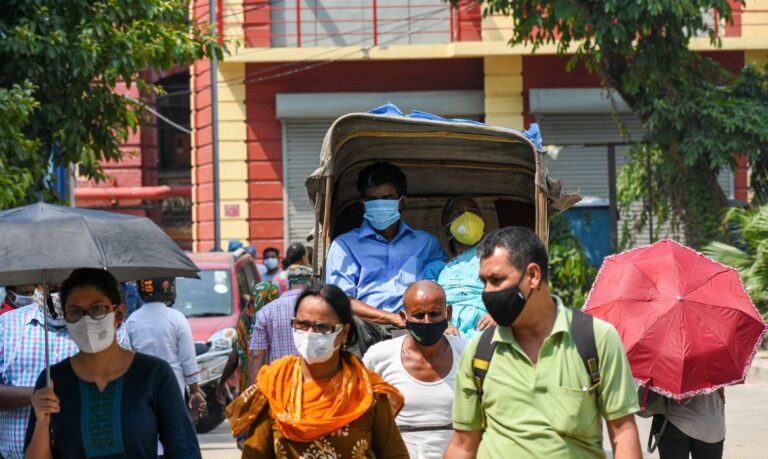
<point>423,294</point>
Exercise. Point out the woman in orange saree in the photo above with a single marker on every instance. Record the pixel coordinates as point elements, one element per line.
<point>325,403</point>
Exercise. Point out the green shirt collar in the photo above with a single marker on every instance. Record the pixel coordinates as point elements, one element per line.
<point>562,325</point>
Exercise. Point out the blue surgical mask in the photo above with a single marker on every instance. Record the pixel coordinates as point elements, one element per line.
<point>22,300</point>
<point>382,213</point>
<point>270,263</point>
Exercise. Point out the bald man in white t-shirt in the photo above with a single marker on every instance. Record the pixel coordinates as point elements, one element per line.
<point>422,366</point>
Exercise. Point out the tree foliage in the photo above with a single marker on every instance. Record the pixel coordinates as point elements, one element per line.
<point>696,114</point>
<point>60,62</point>
<point>746,249</point>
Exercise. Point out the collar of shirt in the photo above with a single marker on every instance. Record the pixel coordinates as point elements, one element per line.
<point>292,292</point>
<point>33,314</point>
<point>562,325</point>
<point>367,231</point>
<point>467,255</point>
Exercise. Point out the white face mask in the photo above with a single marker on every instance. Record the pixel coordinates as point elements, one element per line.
<point>93,335</point>
<point>314,347</point>
<point>57,321</point>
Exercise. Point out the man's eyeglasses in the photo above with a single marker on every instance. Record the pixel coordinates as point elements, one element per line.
<point>317,327</point>
<point>96,312</point>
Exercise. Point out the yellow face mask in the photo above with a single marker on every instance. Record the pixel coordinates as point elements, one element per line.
<point>468,228</point>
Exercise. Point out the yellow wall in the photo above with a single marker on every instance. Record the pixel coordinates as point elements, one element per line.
<point>233,154</point>
<point>504,91</point>
<point>754,19</point>
<point>233,19</point>
<point>758,57</point>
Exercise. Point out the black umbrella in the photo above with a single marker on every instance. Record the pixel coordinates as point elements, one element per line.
<point>43,243</point>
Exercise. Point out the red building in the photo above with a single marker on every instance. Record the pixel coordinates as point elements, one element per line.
<point>302,64</point>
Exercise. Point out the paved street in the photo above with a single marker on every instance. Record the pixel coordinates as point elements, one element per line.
<point>745,410</point>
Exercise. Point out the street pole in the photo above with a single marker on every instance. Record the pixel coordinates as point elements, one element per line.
<point>613,213</point>
<point>215,131</point>
<point>649,204</point>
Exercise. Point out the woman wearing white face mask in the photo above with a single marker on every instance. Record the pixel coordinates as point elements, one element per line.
<point>325,403</point>
<point>106,401</point>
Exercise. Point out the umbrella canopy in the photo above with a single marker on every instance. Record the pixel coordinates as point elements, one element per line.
<point>686,321</point>
<point>44,243</point>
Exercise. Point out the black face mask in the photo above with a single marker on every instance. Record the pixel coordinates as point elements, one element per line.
<point>505,306</point>
<point>426,334</point>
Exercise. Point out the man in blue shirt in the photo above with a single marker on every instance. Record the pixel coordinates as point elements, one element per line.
<point>376,262</point>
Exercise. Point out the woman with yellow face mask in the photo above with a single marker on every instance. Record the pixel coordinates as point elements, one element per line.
<point>459,277</point>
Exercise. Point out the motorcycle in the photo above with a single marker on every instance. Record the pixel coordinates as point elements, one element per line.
<point>211,361</point>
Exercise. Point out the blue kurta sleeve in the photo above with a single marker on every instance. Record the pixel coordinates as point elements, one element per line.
<point>174,426</point>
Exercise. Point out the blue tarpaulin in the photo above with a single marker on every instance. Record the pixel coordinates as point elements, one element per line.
<point>391,109</point>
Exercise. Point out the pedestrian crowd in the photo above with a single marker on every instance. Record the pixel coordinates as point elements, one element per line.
<point>401,351</point>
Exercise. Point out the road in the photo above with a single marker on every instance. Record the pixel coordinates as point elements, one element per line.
<point>746,409</point>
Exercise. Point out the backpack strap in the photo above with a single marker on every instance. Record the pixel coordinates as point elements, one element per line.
<point>584,337</point>
<point>482,359</point>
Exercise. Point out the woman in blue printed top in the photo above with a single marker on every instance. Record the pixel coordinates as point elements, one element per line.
<point>105,401</point>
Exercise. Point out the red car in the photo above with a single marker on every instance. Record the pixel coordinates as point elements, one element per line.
<point>213,303</point>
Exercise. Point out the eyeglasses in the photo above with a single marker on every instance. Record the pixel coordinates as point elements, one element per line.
<point>317,327</point>
<point>96,312</point>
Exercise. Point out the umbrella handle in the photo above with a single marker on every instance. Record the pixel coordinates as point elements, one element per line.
<point>644,401</point>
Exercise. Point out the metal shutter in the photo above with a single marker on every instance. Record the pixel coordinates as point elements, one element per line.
<point>302,141</point>
<point>585,169</point>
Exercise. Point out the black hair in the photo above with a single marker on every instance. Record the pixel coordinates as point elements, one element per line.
<point>382,173</point>
<point>338,301</point>
<point>99,279</point>
<point>294,253</point>
<point>522,245</point>
<point>452,202</point>
<point>269,249</point>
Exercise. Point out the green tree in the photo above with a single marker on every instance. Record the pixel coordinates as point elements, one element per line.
<point>60,62</point>
<point>695,112</point>
<point>746,249</point>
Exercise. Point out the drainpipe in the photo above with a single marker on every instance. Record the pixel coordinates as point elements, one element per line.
<point>145,193</point>
<point>215,130</point>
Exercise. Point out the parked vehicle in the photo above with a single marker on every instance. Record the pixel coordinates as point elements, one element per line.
<point>211,362</point>
<point>213,303</point>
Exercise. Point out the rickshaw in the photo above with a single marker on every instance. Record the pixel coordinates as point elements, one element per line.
<point>502,169</point>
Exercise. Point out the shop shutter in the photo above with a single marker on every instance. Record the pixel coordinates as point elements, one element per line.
<point>303,140</point>
<point>584,169</point>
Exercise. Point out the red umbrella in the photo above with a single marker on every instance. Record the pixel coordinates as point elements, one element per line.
<point>686,321</point>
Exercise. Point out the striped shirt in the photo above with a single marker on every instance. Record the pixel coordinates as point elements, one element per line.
<point>22,359</point>
<point>272,330</point>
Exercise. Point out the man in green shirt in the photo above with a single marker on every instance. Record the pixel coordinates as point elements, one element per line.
<point>536,399</point>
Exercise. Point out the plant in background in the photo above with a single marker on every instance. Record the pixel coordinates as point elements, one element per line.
<point>746,250</point>
<point>570,273</point>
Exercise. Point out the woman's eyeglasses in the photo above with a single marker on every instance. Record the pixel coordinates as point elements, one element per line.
<point>96,312</point>
<point>317,327</point>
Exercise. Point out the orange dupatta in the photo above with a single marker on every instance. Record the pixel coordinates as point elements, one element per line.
<point>305,412</point>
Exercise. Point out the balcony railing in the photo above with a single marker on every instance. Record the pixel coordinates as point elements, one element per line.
<point>365,23</point>
<point>368,23</point>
